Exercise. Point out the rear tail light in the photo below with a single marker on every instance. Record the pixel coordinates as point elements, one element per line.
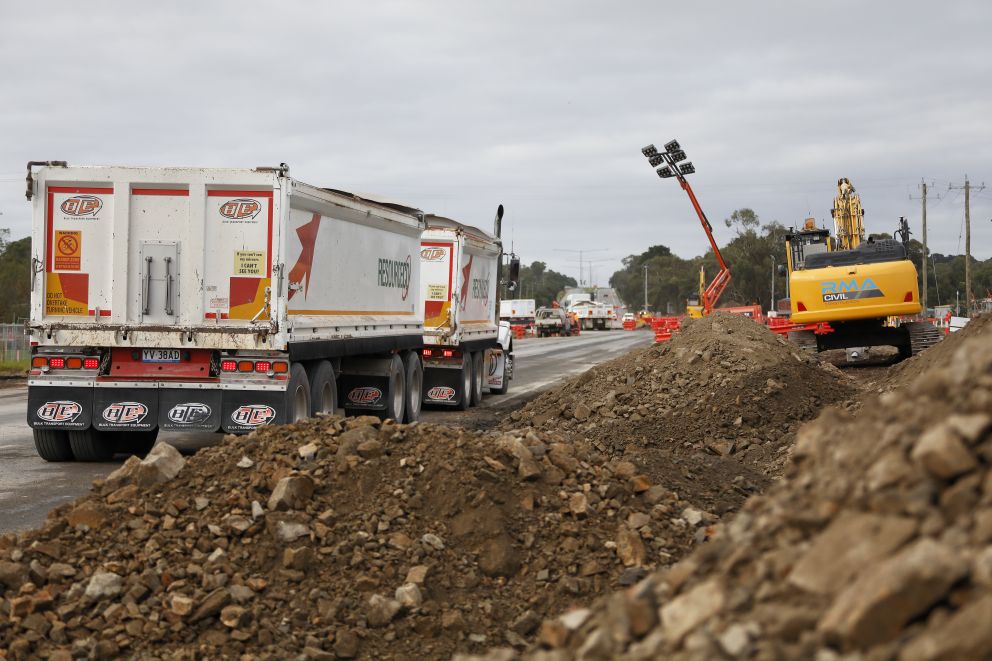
<point>91,363</point>
<point>280,368</point>
<point>263,366</point>
<point>73,363</point>
<point>246,366</point>
<point>448,353</point>
<point>908,298</point>
<point>39,361</point>
<point>428,353</point>
<point>228,366</point>
<point>800,307</point>
<point>57,362</point>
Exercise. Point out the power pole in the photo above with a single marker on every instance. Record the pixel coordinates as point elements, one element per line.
<point>923,198</point>
<point>772,307</point>
<point>967,242</point>
<point>645,287</point>
<point>581,253</point>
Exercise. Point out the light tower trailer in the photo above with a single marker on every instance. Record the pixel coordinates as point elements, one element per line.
<point>213,299</point>
<point>466,347</point>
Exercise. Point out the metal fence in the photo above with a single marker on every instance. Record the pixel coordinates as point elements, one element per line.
<point>14,343</point>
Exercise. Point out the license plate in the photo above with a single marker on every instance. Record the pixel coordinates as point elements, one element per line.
<point>160,355</point>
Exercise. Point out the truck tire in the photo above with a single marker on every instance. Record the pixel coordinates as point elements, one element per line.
<point>297,395</point>
<point>414,387</point>
<point>92,445</point>
<point>139,443</point>
<point>396,397</point>
<point>465,379</point>
<point>477,377</point>
<point>52,445</point>
<point>323,389</point>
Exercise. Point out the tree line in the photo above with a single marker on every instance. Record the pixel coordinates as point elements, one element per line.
<point>752,255</point>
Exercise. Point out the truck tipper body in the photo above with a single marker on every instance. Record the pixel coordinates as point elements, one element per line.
<point>518,311</point>
<point>466,347</point>
<point>216,299</point>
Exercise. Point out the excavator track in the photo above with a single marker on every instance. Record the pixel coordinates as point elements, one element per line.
<point>922,335</point>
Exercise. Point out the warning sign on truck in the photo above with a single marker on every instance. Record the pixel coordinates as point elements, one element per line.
<point>67,294</point>
<point>437,292</point>
<point>68,250</point>
<point>248,262</point>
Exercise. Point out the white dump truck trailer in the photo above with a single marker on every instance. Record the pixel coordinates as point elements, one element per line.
<point>466,347</point>
<point>518,311</point>
<point>222,299</point>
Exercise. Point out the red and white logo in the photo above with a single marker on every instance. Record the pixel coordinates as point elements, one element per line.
<point>253,415</point>
<point>125,412</point>
<point>61,411</point>
<point>441,394</point>
<point>82,205</point>
<point>365,395</point>
<point>240,208</point>
<point>433,254</point>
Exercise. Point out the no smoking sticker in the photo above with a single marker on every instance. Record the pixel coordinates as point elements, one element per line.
<point>68,250</point>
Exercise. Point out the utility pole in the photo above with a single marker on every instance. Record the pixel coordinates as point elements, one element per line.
<point>967,242</point>
<point>924,287</point>
<point>645,287</point>
<point>581,253</point>
<point>772,307</point>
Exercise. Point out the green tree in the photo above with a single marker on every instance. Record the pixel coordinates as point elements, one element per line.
<point>542,284</point>
<point>15,277</point>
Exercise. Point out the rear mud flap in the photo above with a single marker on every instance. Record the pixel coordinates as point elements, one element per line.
<point>363,392</point>
<point>442,386</point>
<point>183,409</point>
<point>245,411</point>
<point>495,366</point>
<point>56,407</point>
<point>125,409</point>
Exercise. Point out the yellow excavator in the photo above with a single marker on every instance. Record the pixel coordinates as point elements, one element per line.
<point>849,292</point>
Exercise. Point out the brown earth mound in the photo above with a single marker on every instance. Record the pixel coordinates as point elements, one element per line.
<point>336,537</point>
<point>712,413</point>
<point>877,544</point>
<point>939,354</point>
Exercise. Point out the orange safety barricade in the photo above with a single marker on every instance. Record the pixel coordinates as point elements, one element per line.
<point>629,325</point>
<point>518,331</point>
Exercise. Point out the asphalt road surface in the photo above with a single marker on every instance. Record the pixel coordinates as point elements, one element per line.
<point>30,486</point>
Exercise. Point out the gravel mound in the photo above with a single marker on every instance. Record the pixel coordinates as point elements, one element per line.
<point>938,354</point>
<point>336,538</point>
<point>711,413</point>
<point>877,544</point>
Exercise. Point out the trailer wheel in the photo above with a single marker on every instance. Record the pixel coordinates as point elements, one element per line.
<point>92,445</point>
<point>465,377</point>
<point>297,395</point>
<point>323,389</point>
<point>135,442</point>
<point>477,369</point>
<point>414,387</point>
<point>52,445</point>
<point>396,397</point>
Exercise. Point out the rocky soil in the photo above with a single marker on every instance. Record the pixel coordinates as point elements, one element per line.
<point>355,538</point>
<point>877,543</point>
<point>713,412</point>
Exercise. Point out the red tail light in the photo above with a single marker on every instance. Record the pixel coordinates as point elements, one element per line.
<point>229,365</point>
<point>91,363</point>
<point>428,353</point>
<point>263,366</point>
<point>57,362</point>
<point>800,307</point>
<point>908,298</point>
<point>447,353</point>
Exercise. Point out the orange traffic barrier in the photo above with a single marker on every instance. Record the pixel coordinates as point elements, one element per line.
<point>629,324</point>
<point>518,331</point>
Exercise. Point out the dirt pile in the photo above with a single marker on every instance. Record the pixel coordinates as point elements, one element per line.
<point>336,538</point>
<point>712,413</point>
<point>939,354</point>
<point>877,544</point>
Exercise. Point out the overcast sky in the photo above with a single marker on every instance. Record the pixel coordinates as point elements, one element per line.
<point>454,107</point>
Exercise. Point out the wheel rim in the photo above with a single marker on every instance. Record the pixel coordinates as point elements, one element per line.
<point>299,404</point>
<point>467,385</point>
<point>326,405</point>
<point>416,386</point>
<point>397,398</point>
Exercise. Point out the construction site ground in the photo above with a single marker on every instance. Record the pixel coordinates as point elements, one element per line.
<point>722,495</point>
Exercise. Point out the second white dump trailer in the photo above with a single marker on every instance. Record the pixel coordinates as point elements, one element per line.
<point>466,347</point>
<point>221,299</point>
